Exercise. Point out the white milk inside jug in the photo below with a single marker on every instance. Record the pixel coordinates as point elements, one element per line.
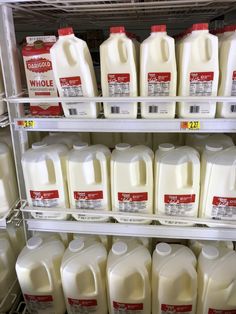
<point>227,84</point>
<point>174,280</point>
<point>132,181</point>
<point>137,139</point>
<point>108,139</point>
<point>119,73</point>
<point>199,73</point>
<point>197,245</point>
<point>158,74</point>
<point>88,173</point>
<point>160,138</point>
<point>62,138</point>
<point>74,74</point>
<point>44,169</point>
<point>104,239</point>
<point>177,182</point>
<point>129,278</point>
<point>3,105</point>
<point>83,273</point>
<point>38,272</point>
<point>216,281</point>
<point>8,182</point>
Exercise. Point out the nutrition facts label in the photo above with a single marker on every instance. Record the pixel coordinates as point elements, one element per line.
<point>45,198</point>
<point>176,309</point>
<point>88,200</point>
<point>223,207</point>
<point>132,202</point>
<point>179,205</point>
<point>201,83</point>
<point>71,86</point>
<point>82,306</point>
<point>119,85</point>
<point>127,308</point>
<point>42,304</point>
<point>159,84</point>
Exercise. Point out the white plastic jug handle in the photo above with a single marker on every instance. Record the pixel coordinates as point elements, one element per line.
<point>232,179</point>
<point>149,170</point>
<point>68,47</point>
<point>168,45</point>
<point>50,274</point>
<point>209,47</point>
<point>55,157</point>
<point>101,157</point>
<point>96,275</point>
<point>146,281</point>
<point>193,159</point>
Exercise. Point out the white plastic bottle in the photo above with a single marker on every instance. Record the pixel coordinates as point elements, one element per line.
<point>174,280</point>
<point>119,73</point>
<point>129,278</point>
<point>158,74</point>
<point>44,169</point>
<point>177,181</point>
<point>132,181</point>
<point>38,272</point>
<point>197,245</point>
<point>199,72</point>
<point>67,139</point>
<point>83,273</point>
<point>74,74</point>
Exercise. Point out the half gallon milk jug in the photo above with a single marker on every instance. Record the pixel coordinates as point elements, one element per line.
<point>83,273</point>
<point>88,173</point>
<point>3,105</point>
<point>129,278</point>
<point>44,168</point>
<point>67,139</point>
<point>216,281</point>
<point>227,84</point>
<point>38,272</point>
<point>8,182</point>
<point>158,73</point>
<point>177,181</point>
<point>197,245</point>
<point>137,139</point>
<point>74,74</point>
<point>108,139</point>
<point>174,280</point>
<point>199,72</point>
<point>119,73</point>
<point>132,181</point>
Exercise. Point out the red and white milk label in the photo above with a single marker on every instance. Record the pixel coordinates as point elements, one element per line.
<point>201,83</point>
<point>179,205</point>
<point>223,207</point>
<point>159,83</point>
<point>39,304</point>
<point>132,202</point>
<point>79,306</point>
<point>45,198</point>
<point>214,311</point>
<point>119,84</point>
<point>88,199</point>
<point>71,86</point>
<point>127,308</point>
<point>233,90</point>
<point>176,309</point>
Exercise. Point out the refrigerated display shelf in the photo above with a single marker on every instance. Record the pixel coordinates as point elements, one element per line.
<point>11,216</point>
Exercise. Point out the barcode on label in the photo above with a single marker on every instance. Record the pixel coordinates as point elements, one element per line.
<point>153,109</point>
<point>233,108</point>
<point>72,111</point>
<point>194,109</point>
<point>115,109</point>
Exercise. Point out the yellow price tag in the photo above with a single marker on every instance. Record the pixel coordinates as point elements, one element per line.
<point>190,125</point>
<point>29,124</point>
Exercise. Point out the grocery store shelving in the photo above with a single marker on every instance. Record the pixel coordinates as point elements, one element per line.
<point>4,120</point>
<point>11,298</point>
<point>13,215</point>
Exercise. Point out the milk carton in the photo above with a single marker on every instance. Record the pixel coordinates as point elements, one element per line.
<point>119,73</point>
<point>3,105</point>
<point>177,181</point>
<point>74,74</point>
<point>39,74</point>
<point>44,169</point>
<point>67,139</point>
<point>197,245</point>
<point>83,273</point>
<point>158,75</point>
<point>38,272</point>
<point>132,181</point>
<point>199,72</point>
<point>129,278</point>
<point>174,280</point>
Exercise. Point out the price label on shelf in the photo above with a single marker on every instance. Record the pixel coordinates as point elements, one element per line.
<point>26,124</point>
<point>190,125</point>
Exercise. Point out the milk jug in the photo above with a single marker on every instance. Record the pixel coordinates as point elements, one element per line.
<point>83,273</point>
<point>119,73</point>
<point>74,74</point>
<point>38,272</point>
<point>88,173</point>
<point>227,84</point>
<point>158,74</point>
<point>129,278</point>
<point>174,280</point>
<point>177,181</point>
<point>197,245</point>
<point>104,239</point>
<point>3,105</point>
<point>44,169</point>
<point>8,183</point>
<point>65,238</point>
<point>199,72</point>
<point>132,181</point>
<point>67,139</point>
<point>147,242</point>
<point>108,139</point>
<point>137,139</point>
<point>216,281</point>
<point>160,138</point>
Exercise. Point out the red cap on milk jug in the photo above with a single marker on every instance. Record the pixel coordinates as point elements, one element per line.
<point>117,29</point>
<point>200,27</point>
<point>65,31</point>
<point>158,28</point>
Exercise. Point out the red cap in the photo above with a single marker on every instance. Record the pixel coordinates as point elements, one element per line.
<point>65,31</point>
<point>117,29</point>
<point>200,27</point>
<point>229,28</point>
<point>158,28</point>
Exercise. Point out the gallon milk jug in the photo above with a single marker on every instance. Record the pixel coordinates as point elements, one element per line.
<point>67,139</point>
<point>177,181</point>
<point>147,242</point>
<point>88,173</point>
<point>65,238</point>
<point>174,280</point>
<point>216,281</point>
<point>199,72</point>
<point>137,139</point>
<point>83,273</point>
<point>129,278</point>
<point>132,181</point>
<point>108,139</point>
<point>8,183</point>
<point>197,245</point>
<point>227,84</point>
<point>74,74</point>
<point>3,105</point>
<point>158,73</point>
<point>44,169</point>
<point>38,272</point>
<point>104,239</point>
<point>118,73</point>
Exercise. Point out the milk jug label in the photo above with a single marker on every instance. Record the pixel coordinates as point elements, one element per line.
<point>179,205</point>
<point>127,308</point>
<point>159,84</point>
<point>132,202</point>
<point>119,85</point>
<point>71,86</point>
<point>201,83</point>
<point>78,306</point>
<point>39,304</point>
<point>45,198</point>
<point>233,91</point>
<point>88,200</point>
<point>176,309</point>
<point>214,311</point>
<point>223,207</point>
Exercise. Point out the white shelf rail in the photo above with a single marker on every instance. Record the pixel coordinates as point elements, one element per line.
<point>11,216</point>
